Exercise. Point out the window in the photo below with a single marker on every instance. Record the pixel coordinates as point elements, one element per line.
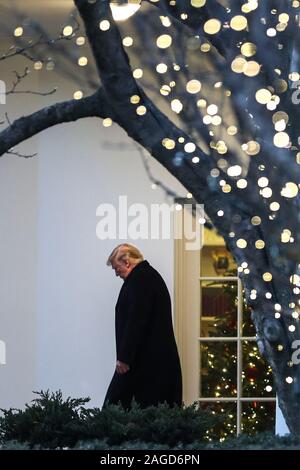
<point>221,364</point>
<point>233,379</point>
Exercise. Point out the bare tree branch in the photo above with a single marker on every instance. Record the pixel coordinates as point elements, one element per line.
<point>19,79</point>
<point>22,155</point>
<point>169,192</point>
<point>43,40</point>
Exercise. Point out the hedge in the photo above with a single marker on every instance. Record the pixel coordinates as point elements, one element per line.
<point>50,422</point>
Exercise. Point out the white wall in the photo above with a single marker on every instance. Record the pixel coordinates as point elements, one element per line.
<point>57,295</point>
<point>18,255</point>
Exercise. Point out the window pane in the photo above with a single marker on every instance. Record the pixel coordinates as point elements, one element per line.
<point>218,308</point>
<point>218,369</point>
<point>258,417</point>
<point>226,425</point>
<point>257,374</point>
<point>248,326</point>
<point>216,261</point>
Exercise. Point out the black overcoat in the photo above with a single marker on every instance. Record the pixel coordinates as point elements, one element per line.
<point>145,341</point>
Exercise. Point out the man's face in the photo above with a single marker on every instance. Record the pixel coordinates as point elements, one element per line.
<point>121,267</point>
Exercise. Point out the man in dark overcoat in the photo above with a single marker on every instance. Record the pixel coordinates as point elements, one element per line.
<point>148,366</point>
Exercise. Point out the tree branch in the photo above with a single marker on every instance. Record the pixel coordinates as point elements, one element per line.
<point>66,111</point>
<point>168,191</point>
<point>19,78</point>
<point>43,40</point>
<point>195,18</point>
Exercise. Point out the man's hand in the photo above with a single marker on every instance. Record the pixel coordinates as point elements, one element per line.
<point>121,367</point>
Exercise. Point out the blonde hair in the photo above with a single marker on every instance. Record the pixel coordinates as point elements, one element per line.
<point>123,252</point>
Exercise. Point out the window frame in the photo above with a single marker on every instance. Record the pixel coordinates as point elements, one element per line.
<point>238,339</point>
